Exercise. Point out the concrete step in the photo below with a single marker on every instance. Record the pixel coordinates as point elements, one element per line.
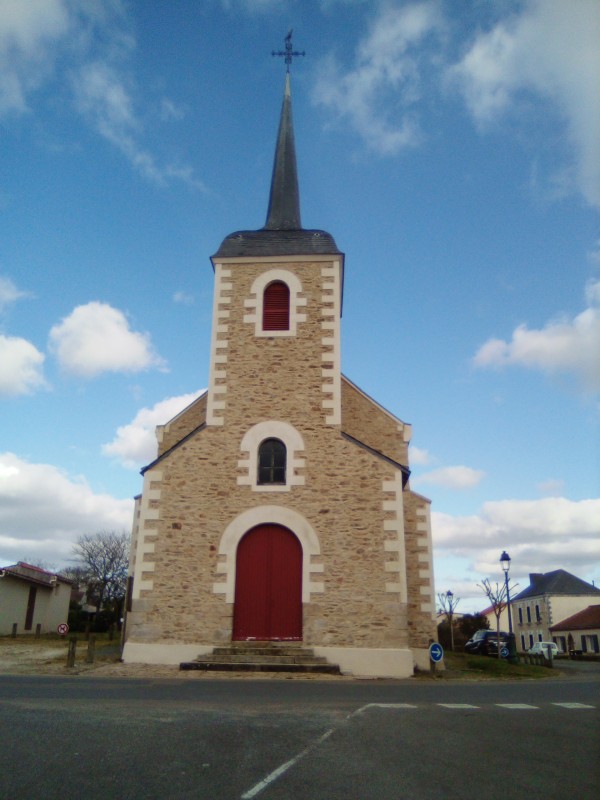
<point>230,666</point>
<point>262,657</point>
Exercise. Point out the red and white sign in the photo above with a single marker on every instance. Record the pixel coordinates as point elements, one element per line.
<point>63,629</point>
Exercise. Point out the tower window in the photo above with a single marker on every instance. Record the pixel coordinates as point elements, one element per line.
<point>276,307</point>
<point>271,462</point>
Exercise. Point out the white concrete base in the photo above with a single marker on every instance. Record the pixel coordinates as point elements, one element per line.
<point>163,653</point>
<point>370,662</point>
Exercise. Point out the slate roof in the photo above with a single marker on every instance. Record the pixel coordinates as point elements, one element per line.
<point>583,620</point>
<point>557,582</point>
<point>33,574</point>
<point>283,233</point>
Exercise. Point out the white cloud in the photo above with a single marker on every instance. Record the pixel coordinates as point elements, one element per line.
<point>549,50</point>
<point>540,535</point>
<point>9,293</point>
<point>96,338</point>
<point>20,366</point>
<point>379,95</point>
<point>28,35</point>
<point>562,346</point>
<point>185,298</point>
<point>457,477</point>
<point>553,487</point>
<point>135,443</point>
<point>53,44</point>
<point>419,456</point>
<point>43,511</point>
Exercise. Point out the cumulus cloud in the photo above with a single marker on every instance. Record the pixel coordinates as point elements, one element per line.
<point>457,477</point>
<point>43,511</point>
<point>135,443</point>
<point>549,50</point>
<point>184,298</point>
<point>562,346</point>
<point>379,95</point>
<point>540,535</point>
<point>96,338</point>
<point>419,456</point>
<point>20,366</point>
<point>53,44</point>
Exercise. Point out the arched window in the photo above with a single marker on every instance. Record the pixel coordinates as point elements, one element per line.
<point>276,307</point>
<point>271,461</point>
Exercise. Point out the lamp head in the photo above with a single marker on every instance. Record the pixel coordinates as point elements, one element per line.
<point>505,561</point>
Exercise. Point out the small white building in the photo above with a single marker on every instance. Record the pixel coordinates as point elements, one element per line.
<point>580,631</point>
<point>30,596</point>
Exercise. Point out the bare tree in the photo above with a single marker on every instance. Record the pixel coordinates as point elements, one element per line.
<point>498,599</point>
<point>102,560</point>
<point>448,602</point>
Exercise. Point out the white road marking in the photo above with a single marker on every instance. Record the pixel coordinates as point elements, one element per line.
<point>516,705</point>
<point>284,768</point>
<point>457,705</point>
<point>573,705</point>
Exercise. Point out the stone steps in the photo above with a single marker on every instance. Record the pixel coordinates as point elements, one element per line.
<point>262,657</point>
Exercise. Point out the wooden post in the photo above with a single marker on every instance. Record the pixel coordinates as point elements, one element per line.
<point>38,630</point>
<point>71,653</point>
<point>91,649</point>
<point>14,630</point>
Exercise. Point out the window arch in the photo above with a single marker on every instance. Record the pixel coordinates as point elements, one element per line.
<point>276,307</point>
<point>272,457</point>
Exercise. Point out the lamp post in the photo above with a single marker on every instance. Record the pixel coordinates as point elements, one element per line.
<point>512,648</point>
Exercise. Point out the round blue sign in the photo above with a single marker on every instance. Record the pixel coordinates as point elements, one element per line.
<point>504,652</point>
<point>436,652</point>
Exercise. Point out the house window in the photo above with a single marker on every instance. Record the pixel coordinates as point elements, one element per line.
<point>271,462</point>
<point>594,646</point>
<point>531,640</point>
<point>528,614</point>
<point>584,644</point>
<point>540,637</point>
<point>538,616</point>
<point>522,641</point>
<point>276,307</point>
<point>520,616</point>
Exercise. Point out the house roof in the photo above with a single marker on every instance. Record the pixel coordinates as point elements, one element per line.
<point>557,582</point>
<point>588,618</point>
<point>31,574</point>
<point>283,234</point>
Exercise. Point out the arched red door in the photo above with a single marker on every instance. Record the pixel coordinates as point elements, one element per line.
<point>268,585</point>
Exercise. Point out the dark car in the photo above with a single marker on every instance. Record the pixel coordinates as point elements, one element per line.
<point>485,643</point>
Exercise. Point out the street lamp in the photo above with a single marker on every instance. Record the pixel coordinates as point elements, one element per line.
<point>512,648</point>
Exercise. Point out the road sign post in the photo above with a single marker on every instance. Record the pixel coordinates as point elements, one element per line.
<point>436,654</point>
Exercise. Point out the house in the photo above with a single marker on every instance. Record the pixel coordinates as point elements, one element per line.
<point>581,631</point>
<point>279,506</point>
<point>549,598</point>
<point>31,596</point>
<point>490,615</point>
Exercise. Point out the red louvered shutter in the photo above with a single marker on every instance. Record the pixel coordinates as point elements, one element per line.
<point>276,307</point>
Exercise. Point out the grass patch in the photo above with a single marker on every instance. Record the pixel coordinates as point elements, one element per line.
<point>464,665</point>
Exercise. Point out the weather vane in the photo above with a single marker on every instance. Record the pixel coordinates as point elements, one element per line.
<point>289,52</point>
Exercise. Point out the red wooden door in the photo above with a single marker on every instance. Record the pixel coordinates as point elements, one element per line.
<point>268,585</point>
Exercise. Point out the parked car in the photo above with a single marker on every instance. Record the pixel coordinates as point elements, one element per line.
<point>544,649</point>
<point>485,642</point>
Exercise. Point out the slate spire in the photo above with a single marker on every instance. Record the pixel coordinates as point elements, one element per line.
<point>284,199</point>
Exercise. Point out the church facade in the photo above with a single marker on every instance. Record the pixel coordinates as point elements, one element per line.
<point>279,505</point>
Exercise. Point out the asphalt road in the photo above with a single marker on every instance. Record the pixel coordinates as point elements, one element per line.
<point>218,740</point>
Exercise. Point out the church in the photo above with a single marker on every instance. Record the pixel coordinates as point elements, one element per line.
<point>279,509</point>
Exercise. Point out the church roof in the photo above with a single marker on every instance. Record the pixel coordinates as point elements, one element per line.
<point>283,233</point>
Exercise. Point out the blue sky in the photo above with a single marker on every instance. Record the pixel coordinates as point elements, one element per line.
<point>452,151</point>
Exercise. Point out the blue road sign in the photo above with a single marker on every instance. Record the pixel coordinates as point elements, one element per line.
<point>504,652</point>
<point>436,652</point>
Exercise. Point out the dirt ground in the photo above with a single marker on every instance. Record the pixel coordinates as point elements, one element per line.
<point>42,657</point>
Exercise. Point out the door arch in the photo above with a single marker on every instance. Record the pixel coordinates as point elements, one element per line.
<point>268,585</point>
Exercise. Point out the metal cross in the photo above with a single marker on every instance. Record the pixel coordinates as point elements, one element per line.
<point>288,53</point>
